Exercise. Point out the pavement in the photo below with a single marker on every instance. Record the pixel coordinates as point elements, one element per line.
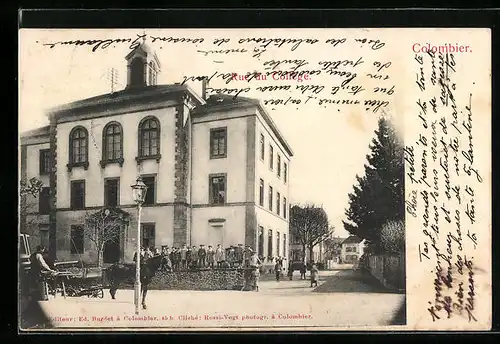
<point>343,299</point>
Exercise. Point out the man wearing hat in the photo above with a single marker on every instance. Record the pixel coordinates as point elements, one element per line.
<point>39,268</point>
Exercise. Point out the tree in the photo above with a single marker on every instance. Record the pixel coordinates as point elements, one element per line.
<point>28,188</point>
<point>31,187</point>
<point>378,196</point>
<point>103,227</point>
<point>309,224</point>
<point>333,247</point>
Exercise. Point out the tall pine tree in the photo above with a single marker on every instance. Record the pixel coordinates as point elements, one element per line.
<point>378,196</point>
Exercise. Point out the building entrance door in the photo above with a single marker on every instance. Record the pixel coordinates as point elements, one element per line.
<point>111,252</point>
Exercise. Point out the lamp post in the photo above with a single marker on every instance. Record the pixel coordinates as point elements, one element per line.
<point>139,191</point>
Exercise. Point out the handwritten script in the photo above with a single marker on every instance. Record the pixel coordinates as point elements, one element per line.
<point>443,179</point>
<point>358,74</point>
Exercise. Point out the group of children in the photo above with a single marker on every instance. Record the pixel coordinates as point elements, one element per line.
<point>198,257</point>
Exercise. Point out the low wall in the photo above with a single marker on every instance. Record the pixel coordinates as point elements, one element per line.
<point>206,279</point>
<point>217,279</point>
<point>388,269</point>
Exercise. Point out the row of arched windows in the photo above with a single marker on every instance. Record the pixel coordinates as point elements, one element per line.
<point>112,142</point>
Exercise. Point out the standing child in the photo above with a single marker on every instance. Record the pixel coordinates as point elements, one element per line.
<point>219,255</point>
<point>194,256</point>
<point>183,251</point>
<point>314,276</point>
<point>277,270</point>
<point>202,257</point>
<point>189,264</point>
<point>210,257</point>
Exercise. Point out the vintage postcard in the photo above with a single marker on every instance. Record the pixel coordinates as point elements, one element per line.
<point>255,179</point>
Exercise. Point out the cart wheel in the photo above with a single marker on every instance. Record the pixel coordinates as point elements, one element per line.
<point>101,293</point>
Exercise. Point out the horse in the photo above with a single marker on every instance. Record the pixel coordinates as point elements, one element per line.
<point>119,273</point>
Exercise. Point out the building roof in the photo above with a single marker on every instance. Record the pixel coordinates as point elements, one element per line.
<point>337,240</point>
<point>38,132</point>
<point>127,95</point>
<point>353,239</point>
<point>218,102</point>
<point>224,102</point>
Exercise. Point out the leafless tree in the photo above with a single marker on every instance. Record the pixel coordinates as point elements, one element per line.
<point>309,224</point>
<point>333,247</point>
<point>102,227</point>
<point>28,188</point>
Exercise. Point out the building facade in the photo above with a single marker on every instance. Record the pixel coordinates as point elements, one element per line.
<point>217,169</point>
<point>352,250</point>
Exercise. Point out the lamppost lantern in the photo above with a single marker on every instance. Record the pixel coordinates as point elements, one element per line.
<point>139,190</point>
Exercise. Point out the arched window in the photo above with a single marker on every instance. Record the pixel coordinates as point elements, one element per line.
<point>78,147</point>
<point>112,143</point>
<point>137,72</point>
<point>149,137</point>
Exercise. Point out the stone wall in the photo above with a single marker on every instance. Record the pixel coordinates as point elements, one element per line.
<point>217,279</point>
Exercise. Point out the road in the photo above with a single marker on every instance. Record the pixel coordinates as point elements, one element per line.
<point>342,299</point>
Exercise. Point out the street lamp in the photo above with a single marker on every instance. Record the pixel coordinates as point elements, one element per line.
<point>139,191</point>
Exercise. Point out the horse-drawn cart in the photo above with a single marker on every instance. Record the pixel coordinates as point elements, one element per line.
<point>77,281</point>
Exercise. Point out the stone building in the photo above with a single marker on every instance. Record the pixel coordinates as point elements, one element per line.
<point>217,169</point>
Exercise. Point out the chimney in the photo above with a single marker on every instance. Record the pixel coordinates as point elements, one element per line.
<point>204,84</point>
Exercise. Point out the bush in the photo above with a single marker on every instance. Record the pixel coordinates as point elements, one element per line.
<point>392,237</point>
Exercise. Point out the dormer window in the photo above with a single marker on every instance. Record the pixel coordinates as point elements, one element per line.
<point>137,72</point>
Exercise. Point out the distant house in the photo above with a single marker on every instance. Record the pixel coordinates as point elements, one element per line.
<point>352,249</point>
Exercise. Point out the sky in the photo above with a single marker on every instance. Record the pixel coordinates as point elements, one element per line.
<point>329,142</point>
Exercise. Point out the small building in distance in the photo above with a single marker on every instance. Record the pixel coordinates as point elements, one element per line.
<point>352,249</point>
